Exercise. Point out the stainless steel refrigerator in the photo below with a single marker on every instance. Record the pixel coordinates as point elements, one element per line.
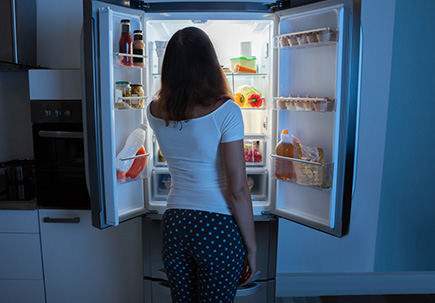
<point>305,59</point>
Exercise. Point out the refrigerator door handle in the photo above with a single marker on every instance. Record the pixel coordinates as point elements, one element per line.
<point>248,290</point>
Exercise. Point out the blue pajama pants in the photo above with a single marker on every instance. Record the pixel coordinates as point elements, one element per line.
<point>203,255</point>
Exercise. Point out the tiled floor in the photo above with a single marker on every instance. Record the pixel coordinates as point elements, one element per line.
<point>425,298</point>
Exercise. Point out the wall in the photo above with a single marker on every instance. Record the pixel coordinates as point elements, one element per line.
<point>303,250</point>
<point>59,26</point>
<point>406,233</point>
<point>15,125</point>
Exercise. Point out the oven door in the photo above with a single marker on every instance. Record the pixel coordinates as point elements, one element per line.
<point>60,165</point>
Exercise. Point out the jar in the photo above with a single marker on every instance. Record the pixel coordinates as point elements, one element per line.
<point>122,89</point>
<point>138,49</point>
<point>137,91</point>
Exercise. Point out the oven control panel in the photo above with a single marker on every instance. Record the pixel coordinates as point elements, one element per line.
<point>56,111</point>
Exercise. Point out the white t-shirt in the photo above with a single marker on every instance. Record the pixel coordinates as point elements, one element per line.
<point>193,155</point>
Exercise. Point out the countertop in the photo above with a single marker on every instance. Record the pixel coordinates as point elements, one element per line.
<point>18,204</point>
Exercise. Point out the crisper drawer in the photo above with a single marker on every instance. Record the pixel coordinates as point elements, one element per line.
<point>266,234</point>
<point>257,292</point>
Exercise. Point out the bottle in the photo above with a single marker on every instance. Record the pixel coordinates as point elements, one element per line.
<point>284,148</point>
<point>125,44</point>
<point>138,48</point>
<point>134,142</point>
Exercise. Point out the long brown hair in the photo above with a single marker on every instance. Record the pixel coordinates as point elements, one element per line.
<point>191,75</point>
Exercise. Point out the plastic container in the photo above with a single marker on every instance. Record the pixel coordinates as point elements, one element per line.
<point>250,63</point>
<point>132,145</point>
<point>253,152</point>
<point>284,148</point>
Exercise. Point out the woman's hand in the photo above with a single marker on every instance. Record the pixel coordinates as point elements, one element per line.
<point>249,269</point>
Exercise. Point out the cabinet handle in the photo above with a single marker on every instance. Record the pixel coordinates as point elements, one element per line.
<point>61,220</point>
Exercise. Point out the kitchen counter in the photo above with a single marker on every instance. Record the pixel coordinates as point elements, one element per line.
<point>18,204</point>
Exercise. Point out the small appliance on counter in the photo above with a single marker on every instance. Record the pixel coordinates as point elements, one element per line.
<point>18,181</point>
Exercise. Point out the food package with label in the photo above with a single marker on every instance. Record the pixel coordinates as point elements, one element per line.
<point>310,174</point>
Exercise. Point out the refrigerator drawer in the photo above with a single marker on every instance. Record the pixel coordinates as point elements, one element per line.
<point>258,184</point>
<point>265,230</point>
<point>257,292</point>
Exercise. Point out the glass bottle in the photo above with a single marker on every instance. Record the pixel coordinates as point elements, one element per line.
<point>138,48</point>
<point>125,44</point>
<point>284,168</point>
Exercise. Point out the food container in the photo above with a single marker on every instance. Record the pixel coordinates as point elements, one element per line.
<point>122,89</point>
<point>312,174</point>
<point>253,152</point>
<point>250,63</point>
<point>137,91</point>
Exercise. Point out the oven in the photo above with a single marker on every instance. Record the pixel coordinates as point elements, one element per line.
<point>59,154</point>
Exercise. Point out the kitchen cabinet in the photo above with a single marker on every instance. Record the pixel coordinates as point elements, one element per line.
<point>85,264</point>
<point>21,275</point>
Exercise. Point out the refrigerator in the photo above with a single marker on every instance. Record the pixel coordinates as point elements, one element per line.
<point>306,59</point>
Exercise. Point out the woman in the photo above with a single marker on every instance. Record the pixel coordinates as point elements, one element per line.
<point>208,235</point>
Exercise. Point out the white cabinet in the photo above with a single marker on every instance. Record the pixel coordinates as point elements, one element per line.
<point>85,264</point>
<point>21,276</point>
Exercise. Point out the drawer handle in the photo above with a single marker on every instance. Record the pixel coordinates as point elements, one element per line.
<point>61,220</point>
<point>248,290</point>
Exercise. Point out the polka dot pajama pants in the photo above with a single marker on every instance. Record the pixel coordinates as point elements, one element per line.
<point>203,255</point>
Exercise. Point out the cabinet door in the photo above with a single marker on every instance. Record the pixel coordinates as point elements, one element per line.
<point>84,264</point>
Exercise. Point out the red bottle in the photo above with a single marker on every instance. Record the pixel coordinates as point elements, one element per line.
<point>125,44</point>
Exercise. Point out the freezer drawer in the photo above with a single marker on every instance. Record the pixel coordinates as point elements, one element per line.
<point>265,229</point>
<point>257,292</point>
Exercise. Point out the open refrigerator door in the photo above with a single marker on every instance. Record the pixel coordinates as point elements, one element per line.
<point>315,104</point>
<point>117,141</point>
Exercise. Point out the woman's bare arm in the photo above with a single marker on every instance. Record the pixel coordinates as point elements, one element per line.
<point>240,200</point>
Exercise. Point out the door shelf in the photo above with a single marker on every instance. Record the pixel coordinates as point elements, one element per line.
<point>120,56</point>
<point>317,104</point>
<point>134,103</point>
<point>302,172</point>
<point>136,172</point>
<point>309,38</point>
